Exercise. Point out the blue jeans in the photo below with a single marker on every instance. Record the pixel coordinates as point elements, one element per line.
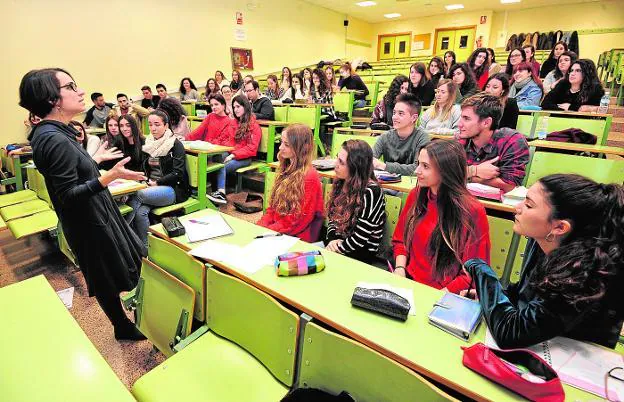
<point>230,166</point>
<point>359,103</point>
<point>142,202</point>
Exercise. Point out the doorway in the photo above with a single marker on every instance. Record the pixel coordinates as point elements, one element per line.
<point>459,40</point>
<point>394,46</point>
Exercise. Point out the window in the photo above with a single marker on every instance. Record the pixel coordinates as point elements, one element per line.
<point>387,48</point>
<point>445,43</point>
<point>463,41</point>
<point>402,47</point>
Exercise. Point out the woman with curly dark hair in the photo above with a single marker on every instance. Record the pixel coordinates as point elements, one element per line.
<point>563,66</point>
<point>212,88</point>
<point>177,117</point>
<point>420,84</point>
<point>572,278</point>
<point>480,65</point>
<point>356,206</point>
<point>579,91</point>
<point>188,90</point>
<point>384,108</point>
<point>237,81</point>
<point>464,78</point>
<point>551,62</point>
<point>436,70</point>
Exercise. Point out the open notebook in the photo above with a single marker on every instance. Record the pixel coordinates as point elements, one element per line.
<point>579,364</point>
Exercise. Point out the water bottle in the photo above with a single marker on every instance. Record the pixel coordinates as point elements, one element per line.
<point>604,103</point>
<point>543,129</point>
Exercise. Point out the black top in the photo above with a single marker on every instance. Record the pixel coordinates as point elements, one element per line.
<point>107,250</point>
<point>425,93</point>
<point>436,78</point>
<point>518,317</point>
<point>173,168</point>
<point>153,103</point>
<point>547,67</point>
<point>510,114</point>
<point>561,94</point>
<point>263,109</point>
<point>354,82</point>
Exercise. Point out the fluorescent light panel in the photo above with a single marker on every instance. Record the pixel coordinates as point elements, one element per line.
<point>366,3</point>
<point>510,1</point>
<point>454,6</point>
<point>392,15</point>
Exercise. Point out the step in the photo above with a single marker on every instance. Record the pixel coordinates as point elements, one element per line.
<point>616,111</point>
<point>617,124</point>
<point>616,139</point>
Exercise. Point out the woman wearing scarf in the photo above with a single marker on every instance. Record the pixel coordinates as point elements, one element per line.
<point>526,88</point>
<point>164,163</point>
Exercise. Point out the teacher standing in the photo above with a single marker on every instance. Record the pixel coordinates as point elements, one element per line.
<point>108,252</point>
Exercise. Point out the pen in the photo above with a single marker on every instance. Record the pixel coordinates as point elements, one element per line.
<point>390,268</point>
<point>200,222</point>
<point>268,235</point>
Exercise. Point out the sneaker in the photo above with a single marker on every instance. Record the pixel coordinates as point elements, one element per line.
<point>217,197</point>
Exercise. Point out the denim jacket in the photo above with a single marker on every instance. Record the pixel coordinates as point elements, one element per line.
<point>529,95</point>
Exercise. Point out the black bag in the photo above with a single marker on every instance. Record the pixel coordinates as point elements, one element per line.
<point>173,227</point>
<point>381,301</point>
<point>252,204</point>
<point>316,395</point>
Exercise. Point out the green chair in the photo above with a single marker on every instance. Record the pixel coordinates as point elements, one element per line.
<point>195,122</point>
<point>269,180</point>
<point>338,139</point>
<point>393,210</point>
<point>189,108</point>
<point>600,170</point>
<point>63,245</point>
<point>525,125</point>
<point>334,363</point>
<point>598,127</point>
<point>184,267</point>
<point>33,224</point>
<point>516,268</point>
<point>311,117</point>
<point>343,103</point>
<point>163,307</point>
<point>281,113</point>
<point>501,232</point>
<point>24,209</point>
<point>247,355</point>
<point>18,197</point>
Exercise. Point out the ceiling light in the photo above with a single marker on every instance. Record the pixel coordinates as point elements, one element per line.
<point>366,3</point>
<point>454,6</point>
<point>392,15</point>
<point>510,1</point>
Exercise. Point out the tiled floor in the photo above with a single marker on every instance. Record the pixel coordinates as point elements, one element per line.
<point>22,259</point>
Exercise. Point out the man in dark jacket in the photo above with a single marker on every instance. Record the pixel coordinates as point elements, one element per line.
<point>260,105</point>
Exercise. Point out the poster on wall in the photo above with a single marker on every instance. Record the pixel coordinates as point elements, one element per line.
<point>242,59</point>
<point>239,18</point>
<point>240,34</point>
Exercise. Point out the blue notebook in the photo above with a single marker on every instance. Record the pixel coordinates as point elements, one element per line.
<point>456,315</point>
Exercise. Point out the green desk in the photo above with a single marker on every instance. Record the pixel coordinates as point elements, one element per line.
<point>326,297</point>
<point>45,354</point>
<point>15,159</point>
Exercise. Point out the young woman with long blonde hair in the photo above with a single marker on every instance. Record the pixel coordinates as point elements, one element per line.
<point>443,116</point>
<point>296,201</point>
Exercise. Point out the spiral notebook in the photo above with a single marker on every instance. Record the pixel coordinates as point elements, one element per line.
<point>579,364</point>
<point>456,315</point>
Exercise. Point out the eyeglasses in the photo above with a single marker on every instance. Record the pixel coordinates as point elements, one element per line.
<point>72,85</point>
<point>515,56</point>
<point>616,375</point>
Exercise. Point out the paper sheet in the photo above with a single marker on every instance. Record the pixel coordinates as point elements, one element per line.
<point>262,252</point>
<point>67,296</point>
<point>408,294</point>
<point>207,227</point>
<point>217,251</point>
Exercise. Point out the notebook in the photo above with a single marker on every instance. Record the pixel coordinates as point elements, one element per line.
<point>385,177</point>
<point>515,196</point>
<point>207,227</point>
<point>579,364</point>
<point>324,164</point>
<point>485,191</point>
<point>456,315</point>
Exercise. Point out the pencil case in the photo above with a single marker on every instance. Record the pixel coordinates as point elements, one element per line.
<point>518,370</point>
<point>381,301</point>
<point>299,263</point>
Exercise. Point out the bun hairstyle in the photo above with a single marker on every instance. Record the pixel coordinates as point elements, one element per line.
<point>587,265</point>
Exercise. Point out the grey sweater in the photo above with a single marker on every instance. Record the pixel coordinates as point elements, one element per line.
<point>400,155</point>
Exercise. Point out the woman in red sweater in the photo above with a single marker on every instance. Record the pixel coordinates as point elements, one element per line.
<point>216,127</point>
<point>245,135</point>
<point>442,224</point>
<point>296,202</point>
<point>478,62</point>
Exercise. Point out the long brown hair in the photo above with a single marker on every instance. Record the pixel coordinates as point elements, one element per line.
<point>245,121</point>
<point>347,196</point>
<point>287,194</point>
<point>445,111</point>
<point>454,225</point>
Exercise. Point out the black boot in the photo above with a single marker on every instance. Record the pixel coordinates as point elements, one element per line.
<point>124,328</point>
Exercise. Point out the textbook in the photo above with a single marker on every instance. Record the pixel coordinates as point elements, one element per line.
<point>515,196</point>
<point>456,315</point>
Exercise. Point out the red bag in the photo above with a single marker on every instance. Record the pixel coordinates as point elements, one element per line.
<point>505,366</point>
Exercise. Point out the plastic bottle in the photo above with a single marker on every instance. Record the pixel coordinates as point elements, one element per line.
<point>543,129</point>
<point>604,103</point>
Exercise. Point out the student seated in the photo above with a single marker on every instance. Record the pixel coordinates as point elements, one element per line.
<point>306,75</point>
<point>449,61</point>
<point>436,70</point>
<point>90,143</point>
<point>237,81</point>
<point>480,65</point>
<point>286,77</point>
<point>516,56</point>
<point>212,88</point>
<point>526,88</point>
<point>177,117</point>
<point>331,77</point>
<point>296,201</point>
<point>273,91</point>
<point>124,106</point>
<point>321,92</point>
<point>443,116</point>
<point>216,127</point>
<point>260,104</point>
<point>164,164</point>
<point>571,282</point>
<point>464,78</point>
<point>580,91</point>
<point>420,85</point>
<point>400,145</point>
<point>131,142</point>
<point>496,156</point>
<point>298,90</point>
<point>149,101</point>
<point>495,68</point>
<point>97,114</point>
<point>356,209</point>
<point>352,81</point>
<point>553,57</point>
<point>384,108</point>
<point>188,90</point>
<point>498,85</point>
<point>441,224</point>
<point>563,66</point>
<point>220,78</point>
<point>161,89</point>
<point>245,135</point>
<point>529,52</point>
<point>111,141</point>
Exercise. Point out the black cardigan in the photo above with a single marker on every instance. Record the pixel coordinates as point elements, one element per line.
<point>173,167</point>
<point>354,82</point>
<point>424,93</point>
<point>561,94</point>
<point>510,114</point>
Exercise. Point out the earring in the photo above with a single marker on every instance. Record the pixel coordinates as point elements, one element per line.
<point>550,237</point>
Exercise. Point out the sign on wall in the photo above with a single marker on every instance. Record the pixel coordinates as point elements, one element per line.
<point>239,18</point>
<point>242,59</point>
<point>483,19</point>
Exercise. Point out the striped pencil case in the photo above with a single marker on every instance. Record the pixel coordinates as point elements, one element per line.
<point>299,263</point>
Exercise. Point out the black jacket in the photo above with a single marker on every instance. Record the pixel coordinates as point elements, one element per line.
<point>153,103</point>
<point>89,115</point>
<point>424,93</point>
<point>173,167</point>
<point>561,94</point>
<point>510,115</point>
<point>263,109</point>
<point>518,317</point>
<point>354,82</point>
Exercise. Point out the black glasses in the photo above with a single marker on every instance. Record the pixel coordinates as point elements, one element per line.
<point>72,85</point>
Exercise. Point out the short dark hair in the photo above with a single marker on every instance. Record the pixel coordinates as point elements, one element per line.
<point>160,113</point>
<point>161,86</point>
<point>485,105</point>
<point>40,90</point>
<point>95,95</point>
<point>254,83</point>
<point>410,100</point>
<point>122,95</point>
<point>146,88</point>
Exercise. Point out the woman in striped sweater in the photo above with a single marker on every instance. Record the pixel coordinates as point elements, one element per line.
<point>356,207</point>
